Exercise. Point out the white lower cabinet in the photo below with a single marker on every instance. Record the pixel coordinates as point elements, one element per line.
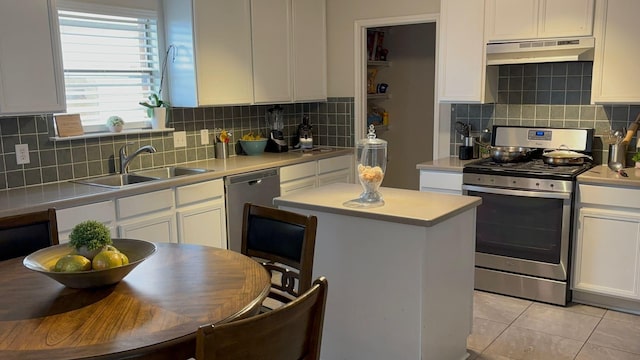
<point>607,257</point>
<point>157,228</point>
<point>190,214</point>
<point>297,185</point>
<point>335,170</point>
<point>297,177</point>
<point>448,182</point>
<point>607,246</point>
<point>149,216</point>
<point>312,174</point>
<point>103,212</point>
<point>201,214</point>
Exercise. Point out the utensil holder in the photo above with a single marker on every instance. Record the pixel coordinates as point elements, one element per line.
<point>617,153</point>
<point>222,150</point>
<point>472,142</point>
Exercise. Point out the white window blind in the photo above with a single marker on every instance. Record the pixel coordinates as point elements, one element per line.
<point>111,62</point>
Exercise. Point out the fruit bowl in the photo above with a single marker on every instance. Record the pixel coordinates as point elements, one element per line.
<point>253,147</point>
<point>43,260</point>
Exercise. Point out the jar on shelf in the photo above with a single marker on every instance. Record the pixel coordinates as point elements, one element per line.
<point>371,163</point>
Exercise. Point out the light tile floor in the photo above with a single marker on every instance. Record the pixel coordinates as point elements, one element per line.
<point>507,328</point>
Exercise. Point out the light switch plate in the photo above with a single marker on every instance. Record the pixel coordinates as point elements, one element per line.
<point>204,137</point>
<point>179,139</point>
<point>22,154</point>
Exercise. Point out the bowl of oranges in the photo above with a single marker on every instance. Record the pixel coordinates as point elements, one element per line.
<point>106,262</point>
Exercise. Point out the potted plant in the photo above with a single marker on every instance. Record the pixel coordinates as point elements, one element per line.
<point>156,110</point>
<point>89,237</point>
<point>156,107</point>
<point>636,158</point>
<point>115,123</point>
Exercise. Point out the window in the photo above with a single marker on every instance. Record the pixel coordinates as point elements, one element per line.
<point>111,63</point>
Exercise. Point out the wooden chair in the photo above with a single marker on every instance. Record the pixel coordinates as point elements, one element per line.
<point>20,235</point>
<point>284,243</point>
<point>291,332</point>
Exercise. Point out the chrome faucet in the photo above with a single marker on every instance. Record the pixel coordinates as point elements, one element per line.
<point>125,159</point>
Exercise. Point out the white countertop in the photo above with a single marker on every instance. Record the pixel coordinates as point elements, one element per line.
<point>68,194</point>
<point>445,164</point>
<point>401,206</point>
<point>602,175</point>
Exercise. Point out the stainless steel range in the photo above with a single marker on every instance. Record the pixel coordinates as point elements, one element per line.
<point>524,225</point>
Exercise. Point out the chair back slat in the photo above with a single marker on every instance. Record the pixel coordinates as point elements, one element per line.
<point>291,332</point>
<point>284,242</point>
<point>20,235</point>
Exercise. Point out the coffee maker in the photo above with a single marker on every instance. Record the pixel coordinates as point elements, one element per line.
<point>305,138</point>
<point>276,142</point>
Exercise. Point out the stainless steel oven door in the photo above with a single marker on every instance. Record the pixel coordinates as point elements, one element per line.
<point>523,232</point>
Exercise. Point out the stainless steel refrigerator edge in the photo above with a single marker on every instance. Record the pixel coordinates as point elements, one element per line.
<point>259,187</point>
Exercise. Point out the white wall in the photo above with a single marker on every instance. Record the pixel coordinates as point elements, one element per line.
<point>341,15</point>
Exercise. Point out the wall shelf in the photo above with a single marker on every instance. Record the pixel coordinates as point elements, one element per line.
<point>379,96</point>
<point>379,63</point>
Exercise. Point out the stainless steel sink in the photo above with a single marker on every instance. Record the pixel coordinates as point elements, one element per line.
<point>116,180</point>
<point>137,177</point>
<point>170,172</point>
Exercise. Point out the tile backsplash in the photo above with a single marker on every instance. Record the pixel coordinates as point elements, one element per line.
<point>548,94</point>
<point>51,162</point>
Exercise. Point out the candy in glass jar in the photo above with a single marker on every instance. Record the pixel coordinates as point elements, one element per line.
<point>371,165</point>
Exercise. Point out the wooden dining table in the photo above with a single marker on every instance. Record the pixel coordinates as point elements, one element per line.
<point>152,313</point>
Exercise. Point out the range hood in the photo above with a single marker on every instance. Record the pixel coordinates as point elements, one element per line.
<point>540,51</point>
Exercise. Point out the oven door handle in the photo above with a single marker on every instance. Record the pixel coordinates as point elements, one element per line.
<point>533,193</point>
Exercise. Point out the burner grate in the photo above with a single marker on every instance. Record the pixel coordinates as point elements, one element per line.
<point>531,167</point>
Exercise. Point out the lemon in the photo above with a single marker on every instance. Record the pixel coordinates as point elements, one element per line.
<point>108,259</point>
<point>72,263</point>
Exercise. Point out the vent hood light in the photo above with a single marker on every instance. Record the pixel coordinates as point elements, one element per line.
<point>540,51</point>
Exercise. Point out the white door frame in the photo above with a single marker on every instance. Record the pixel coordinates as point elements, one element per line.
<point>360,105</point>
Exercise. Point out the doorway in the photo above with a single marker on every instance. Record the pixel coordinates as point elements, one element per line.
<point>410,101</point>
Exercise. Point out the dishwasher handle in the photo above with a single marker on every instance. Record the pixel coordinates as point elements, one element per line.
<point>252,178</point>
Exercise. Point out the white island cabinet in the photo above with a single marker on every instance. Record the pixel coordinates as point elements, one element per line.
<point>400,275</point>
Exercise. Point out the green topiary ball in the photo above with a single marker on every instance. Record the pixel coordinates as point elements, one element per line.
<point>92,234</point>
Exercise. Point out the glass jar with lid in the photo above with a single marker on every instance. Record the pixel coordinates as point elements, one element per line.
<point>371,164</point>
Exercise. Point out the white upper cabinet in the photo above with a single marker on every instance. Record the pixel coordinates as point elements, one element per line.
<point>289,50</point>
<point>616,74</point>
<point>309,50</point>
<point>230,52</point>
<point>212,40</point>
<point>31,75</point>
<point>462,70</point>
<point>535,19</point>
<point>565,18</point>
<point>271,32</point>
<point>511,19</point>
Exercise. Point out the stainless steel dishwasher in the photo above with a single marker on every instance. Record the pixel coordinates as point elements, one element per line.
<point>258,187</point>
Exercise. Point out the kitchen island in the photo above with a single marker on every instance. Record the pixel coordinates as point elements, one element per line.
<point>400,275</point>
